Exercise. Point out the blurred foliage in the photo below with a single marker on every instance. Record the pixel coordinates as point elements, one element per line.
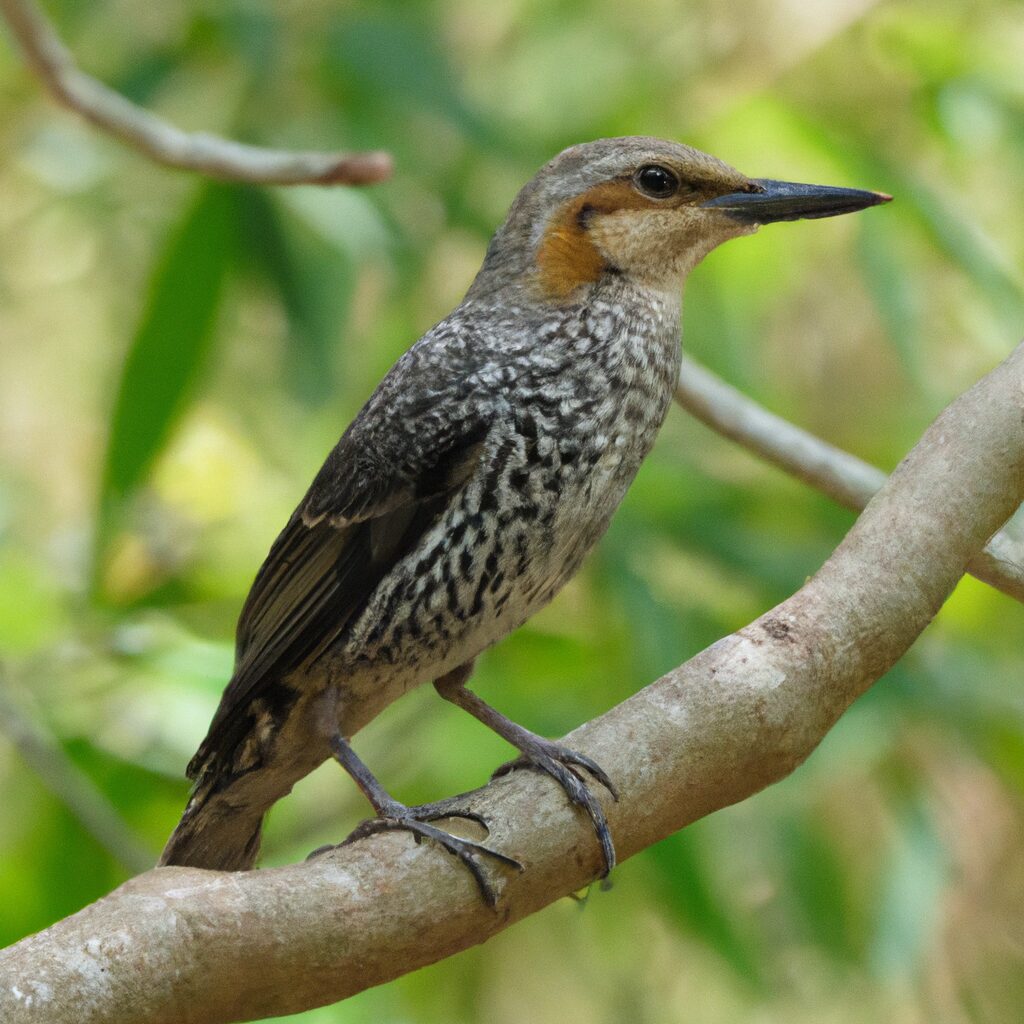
<point>179,356</point>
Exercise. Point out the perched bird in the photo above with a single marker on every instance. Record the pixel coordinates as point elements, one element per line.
<point>471,486</point>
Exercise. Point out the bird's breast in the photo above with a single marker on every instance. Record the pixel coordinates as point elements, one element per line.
<point>568,435</point>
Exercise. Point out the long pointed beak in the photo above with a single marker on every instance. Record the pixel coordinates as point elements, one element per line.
<point>787,200</point>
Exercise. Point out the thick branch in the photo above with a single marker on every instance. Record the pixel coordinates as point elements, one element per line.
<point>163,142</point>
<point>843,477</point>
<point>180,945</point>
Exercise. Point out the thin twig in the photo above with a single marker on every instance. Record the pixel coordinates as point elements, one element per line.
<point>62,777</point>
<point>184,946</point>
<point>165,143</point>
<point>840,475</point>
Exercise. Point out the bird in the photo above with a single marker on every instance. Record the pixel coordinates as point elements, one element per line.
<point>471,486</point>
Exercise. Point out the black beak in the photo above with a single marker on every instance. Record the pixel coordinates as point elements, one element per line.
<point>786,200</point>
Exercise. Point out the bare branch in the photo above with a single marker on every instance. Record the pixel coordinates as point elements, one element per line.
<point>840,475</point>
<point>181,945</point>
<point>163,142</point>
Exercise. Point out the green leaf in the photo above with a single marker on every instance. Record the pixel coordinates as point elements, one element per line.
<point>169,350</point>
<point>313,280</point>
<point>912,893</point>
<point>689,894</point>
<point>819,887</point>
<point>938,216</point>
<point>399,59</point>
<point>955,235</point>
<point>893,291</point>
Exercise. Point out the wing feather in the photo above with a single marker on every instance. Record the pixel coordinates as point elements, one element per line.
<point>350,529</point>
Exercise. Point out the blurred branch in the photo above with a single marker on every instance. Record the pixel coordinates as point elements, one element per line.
<point>62,777</point>
<point>165,143</point>
<point>182,945</point>
<point>840,475</point>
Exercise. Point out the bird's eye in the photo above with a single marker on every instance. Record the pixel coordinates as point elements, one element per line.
<point>656,181</point>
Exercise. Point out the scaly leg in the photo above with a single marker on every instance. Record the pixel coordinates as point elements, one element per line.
<point>559,762</point>
<point>392,816</point>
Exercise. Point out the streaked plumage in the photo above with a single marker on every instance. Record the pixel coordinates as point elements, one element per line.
<point>473,482</point>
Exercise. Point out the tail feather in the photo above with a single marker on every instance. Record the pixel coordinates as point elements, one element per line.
<point>237,779</point>
<point>215,833</point>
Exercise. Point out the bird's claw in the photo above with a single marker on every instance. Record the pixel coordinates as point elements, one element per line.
<point>566,756</point>
<point>562,765</point>
<point>441,809</point>
<point>417,821</point>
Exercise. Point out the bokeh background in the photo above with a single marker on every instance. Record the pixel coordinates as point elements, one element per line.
<point>178,356</point>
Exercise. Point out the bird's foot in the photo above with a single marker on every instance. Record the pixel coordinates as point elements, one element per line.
<point>563,765</point>
<point>396,817</point>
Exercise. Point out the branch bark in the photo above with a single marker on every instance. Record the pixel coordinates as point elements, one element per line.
<point>178,945</point>
<point>840,475</point>
<point>165,143</point>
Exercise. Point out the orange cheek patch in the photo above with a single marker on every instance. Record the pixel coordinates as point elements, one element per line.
<point>567,257</point>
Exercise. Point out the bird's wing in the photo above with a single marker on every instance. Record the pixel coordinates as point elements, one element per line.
<point>377,494</point>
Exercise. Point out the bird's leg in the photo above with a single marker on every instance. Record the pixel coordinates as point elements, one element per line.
<point>561,763</point>
<point>395,816</point>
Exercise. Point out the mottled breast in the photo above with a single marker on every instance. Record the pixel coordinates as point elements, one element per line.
<point>577,406</point>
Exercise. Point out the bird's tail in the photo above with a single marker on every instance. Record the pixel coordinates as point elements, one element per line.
<point>215,832</point>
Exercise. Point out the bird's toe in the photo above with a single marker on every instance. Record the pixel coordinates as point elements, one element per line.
<point>561,764</point>
<point>417,821</point>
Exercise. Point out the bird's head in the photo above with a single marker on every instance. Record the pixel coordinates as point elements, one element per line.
<point>644,208</point>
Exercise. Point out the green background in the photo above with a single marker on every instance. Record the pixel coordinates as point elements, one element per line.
<point>178,357</point>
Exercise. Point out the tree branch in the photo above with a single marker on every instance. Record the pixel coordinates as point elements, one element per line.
<point>840,475</point>
<point>165,143</point>
<point>181,945</point>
